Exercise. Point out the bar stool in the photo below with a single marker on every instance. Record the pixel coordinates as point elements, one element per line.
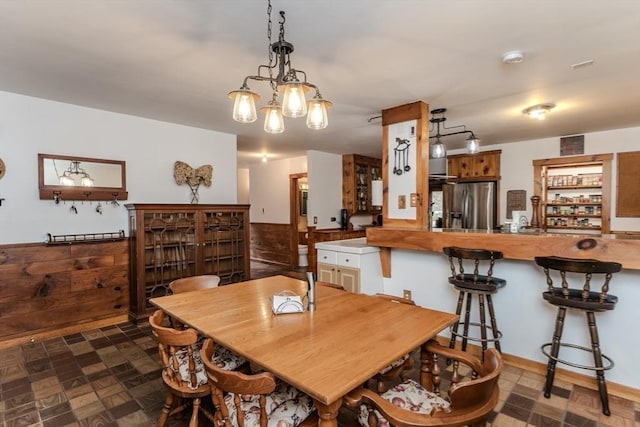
<point>583,299</point>
<point>469,284</point>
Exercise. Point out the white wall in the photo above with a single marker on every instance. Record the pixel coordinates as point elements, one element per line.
<point>525,319</point>
<point>516,165</point>
<point>325,189</point>
<point>269,189</point>
<point>29,126</point>
<point>243,186</point>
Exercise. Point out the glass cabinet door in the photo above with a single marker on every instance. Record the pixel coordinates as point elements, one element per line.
<point>170,250</point>
<point>223,246</point>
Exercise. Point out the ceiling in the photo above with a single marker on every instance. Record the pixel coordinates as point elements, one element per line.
<point>176,61</point>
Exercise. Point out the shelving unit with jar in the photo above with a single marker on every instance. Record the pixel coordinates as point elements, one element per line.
<point>574,193</point>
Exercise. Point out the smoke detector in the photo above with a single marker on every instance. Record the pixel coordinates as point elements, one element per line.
<point>513,57</point>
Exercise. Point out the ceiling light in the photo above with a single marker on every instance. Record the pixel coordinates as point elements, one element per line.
<point>438,149</point>
<point>473,144</point>
<point>294,103</point>
<point>513,57</point>
<point>538,111</point>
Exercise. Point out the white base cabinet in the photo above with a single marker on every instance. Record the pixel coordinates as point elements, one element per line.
<point>351,264</point>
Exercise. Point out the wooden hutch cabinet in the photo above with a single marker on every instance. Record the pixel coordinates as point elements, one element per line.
<point>483,166</point>
<point>357,174</point>
<point>171,241</point>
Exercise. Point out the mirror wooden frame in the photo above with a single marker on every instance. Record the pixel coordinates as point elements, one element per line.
<point>62,192</point>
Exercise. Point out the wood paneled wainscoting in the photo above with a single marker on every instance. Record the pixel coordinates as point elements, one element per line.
<point>271,242</point>
<point>48,289</point>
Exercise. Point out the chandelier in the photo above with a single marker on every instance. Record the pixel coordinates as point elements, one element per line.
<point>283,78</point>
<point>74,172</point>
<point>438,149</point>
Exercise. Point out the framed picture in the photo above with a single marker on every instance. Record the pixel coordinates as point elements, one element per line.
<point>572,145</point>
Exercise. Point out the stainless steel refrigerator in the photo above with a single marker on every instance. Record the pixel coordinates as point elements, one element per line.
<point>470,205</point>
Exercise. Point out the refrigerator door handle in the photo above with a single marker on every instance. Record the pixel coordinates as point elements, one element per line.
<point>465,209</point>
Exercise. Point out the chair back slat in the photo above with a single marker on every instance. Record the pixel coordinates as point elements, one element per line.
<point>458,256</point>
<point>586,267</point>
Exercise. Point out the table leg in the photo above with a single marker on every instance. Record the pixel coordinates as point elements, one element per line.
<point>328,414</point>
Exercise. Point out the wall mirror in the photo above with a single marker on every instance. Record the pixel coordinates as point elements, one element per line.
<point>81,178</point>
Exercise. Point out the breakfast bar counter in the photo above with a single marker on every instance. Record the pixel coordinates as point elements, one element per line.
<point>621,248</point>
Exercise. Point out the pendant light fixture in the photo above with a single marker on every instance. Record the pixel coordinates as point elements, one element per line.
<point>285,82</point>
<point>438,149</point>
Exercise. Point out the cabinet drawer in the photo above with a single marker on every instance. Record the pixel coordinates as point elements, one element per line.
<point>348,260</point>
<point>327,257</point>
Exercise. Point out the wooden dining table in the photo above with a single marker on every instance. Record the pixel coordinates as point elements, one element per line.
<point>327,352</point>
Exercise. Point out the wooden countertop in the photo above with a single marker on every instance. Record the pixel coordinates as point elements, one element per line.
<point>624,249</point>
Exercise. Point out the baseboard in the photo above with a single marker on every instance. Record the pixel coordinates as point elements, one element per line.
<point>583,380</point>
<point>80,327</point>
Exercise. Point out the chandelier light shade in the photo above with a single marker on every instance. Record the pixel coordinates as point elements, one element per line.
<point>317,115</point>
<point>273,119</point>
<point>244,105</point>
<point>283,79</point>
<point>438,149</point>
<point>73,173</point>
<point>294,103</point>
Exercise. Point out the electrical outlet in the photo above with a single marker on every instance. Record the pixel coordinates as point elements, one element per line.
<point>406,294</point>
<point>413,200</point>
<point>315,219</point>
<point>402,201</point>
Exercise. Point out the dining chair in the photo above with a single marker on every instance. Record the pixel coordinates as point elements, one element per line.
<point>194,283</point>
<point>257,400</point>
<point>224,356</point>
<point>182,370</point>
<point>471,396</point>
<point>401,366</point>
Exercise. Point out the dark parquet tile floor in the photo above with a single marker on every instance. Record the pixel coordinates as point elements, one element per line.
<point>111,377</point>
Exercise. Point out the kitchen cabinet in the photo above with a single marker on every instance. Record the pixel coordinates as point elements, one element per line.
<point>574,194</point>
<point>483,166</point>
<point>351,264</point>
<point>171,241</point>
<point>357,174</point>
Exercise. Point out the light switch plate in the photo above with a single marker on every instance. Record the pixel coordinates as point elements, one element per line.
<point>402,201</point>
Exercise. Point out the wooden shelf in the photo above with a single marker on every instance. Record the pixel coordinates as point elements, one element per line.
<point>572,204</point>
<point>569,227</point>
<point>572,215</point>
<point>576,187</point>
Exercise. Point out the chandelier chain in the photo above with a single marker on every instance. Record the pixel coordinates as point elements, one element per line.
<point>271,64</point>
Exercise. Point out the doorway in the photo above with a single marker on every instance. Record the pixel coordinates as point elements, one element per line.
<point>298,197</point>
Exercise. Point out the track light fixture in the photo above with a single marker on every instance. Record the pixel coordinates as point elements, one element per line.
<point>438,149</point>
<point>286,81</point>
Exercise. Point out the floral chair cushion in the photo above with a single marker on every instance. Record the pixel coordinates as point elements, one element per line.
<point>408,395</point>
<point>222,357</point>
<point>395,364</point>
<point>286,407</point>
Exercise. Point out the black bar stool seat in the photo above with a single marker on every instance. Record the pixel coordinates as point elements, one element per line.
<point>470,284</point>
<point>579,298</point>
